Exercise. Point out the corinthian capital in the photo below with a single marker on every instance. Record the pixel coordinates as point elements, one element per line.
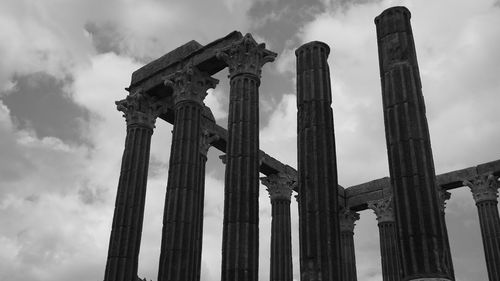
<point>443,197</point>
<point>190,84</point>
<point>246,56</point>
<point>383,209</point>
<point>347,219</point>
<point>484,187</point>
<point>141,109</point>
<point>206,140</point>
<point>279,186</point>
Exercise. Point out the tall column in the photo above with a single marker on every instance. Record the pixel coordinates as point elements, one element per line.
<point>140,111</point>
<point>240,235</point>
<point>183,202</point>
<point>317,167</point>
<point>485,191</point>
<point>443,197</point>
<point>389,249</point>
<point>347,222</point>
<point>280,190</point>
<point>420,224</point>
<point>205,143</point>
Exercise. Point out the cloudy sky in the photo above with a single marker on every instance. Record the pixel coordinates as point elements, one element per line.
<point>63,63</point>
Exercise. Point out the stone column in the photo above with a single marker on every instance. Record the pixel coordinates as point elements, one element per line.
<point>240,235</point>
<point>347,222</point>
<point>140,111</point>
<point>183,202</point>
<point>280,190</point>
<point>389,249</point>
<point>317,167</point>
<point>420,224</point>
<point>485,191</point>
<point>443,197</point>
<point>205,143</point>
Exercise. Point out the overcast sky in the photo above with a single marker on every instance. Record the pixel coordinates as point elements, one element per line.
<point>64,63</point>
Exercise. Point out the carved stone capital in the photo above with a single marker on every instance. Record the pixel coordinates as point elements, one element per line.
<point>141,109</point>
<point>190,84</point>
<point>484,187</point>
<point>279,186</point>
<point>383,209</point>
<point>443,197</point>
<point>347,219</point>
<point>223,158</point>
<point>206,140</point>
<point>246,57</point>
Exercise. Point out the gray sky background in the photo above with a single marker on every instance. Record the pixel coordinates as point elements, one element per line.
<point>64,63</point>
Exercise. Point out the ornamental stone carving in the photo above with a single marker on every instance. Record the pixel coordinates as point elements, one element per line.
<point>279,186</point>
<point>383,209</point>
<point>223,158</point>
<point>443,197</point>
<point>141,109</point>
<point>484,187</point>
<point>246,57</point>
<point>206,142</point>
<point>190,84</point>
<point>347,220</point>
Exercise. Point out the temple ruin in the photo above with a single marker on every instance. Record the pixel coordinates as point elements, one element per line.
<point>409,205</point>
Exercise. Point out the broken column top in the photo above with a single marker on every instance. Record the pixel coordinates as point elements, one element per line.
<point>313,44</point>
<point>392,20</point>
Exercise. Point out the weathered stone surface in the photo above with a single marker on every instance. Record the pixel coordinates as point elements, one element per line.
<point>140,111</point>
<point>180,254</point>
<point>347,220</point>
<point>422,241</point>
<point>150,77</point>
<point>320,255</point>
<point>240,235</point>
<point>485,191</point>
<point>389,246</point>
<point>357,196</point>
<point>280,190</point>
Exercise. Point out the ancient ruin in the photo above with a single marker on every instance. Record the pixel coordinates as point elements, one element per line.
<point>409,205</point>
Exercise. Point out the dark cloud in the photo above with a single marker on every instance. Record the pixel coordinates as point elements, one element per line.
<point>40,102</point>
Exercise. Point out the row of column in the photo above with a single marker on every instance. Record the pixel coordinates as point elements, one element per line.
<point>326,231</point>
<point>180,256</point>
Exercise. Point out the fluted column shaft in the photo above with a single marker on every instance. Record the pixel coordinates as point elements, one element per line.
<point>347,222</point>
<point>181,232</point>
<point>444,196</point>
<point>240,235</point>
<point>389,246</point>
<point>485,191</point>
<point>317,168</point>
<point>420,224</point>
<point>280,191</point>
<point>140,111</point>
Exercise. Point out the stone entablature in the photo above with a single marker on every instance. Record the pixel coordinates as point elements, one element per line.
<point>190,84</point>
<point>383,209</point>
<point>246,57</point>
<point>141,109</point>
<point>279,186</point>
<point>484,187</point>
<point>347,219</point>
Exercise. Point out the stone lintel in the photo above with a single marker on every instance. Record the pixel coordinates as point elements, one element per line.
<point>150,77</point>
<point>358,196</point>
